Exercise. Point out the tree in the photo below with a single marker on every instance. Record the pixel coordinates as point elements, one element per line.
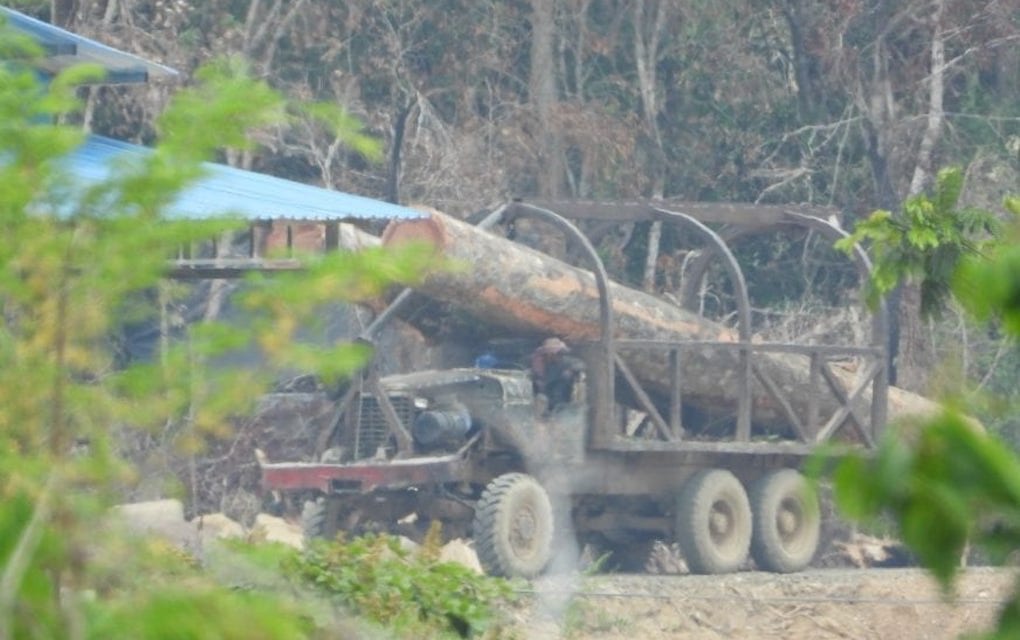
<point>925,243</point>
<point>882,86</point>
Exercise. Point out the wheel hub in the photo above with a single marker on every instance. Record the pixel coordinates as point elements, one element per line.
<point>788,519</point>
<point>786,522</point>
<point>522,533</point>
<point>720,521</point>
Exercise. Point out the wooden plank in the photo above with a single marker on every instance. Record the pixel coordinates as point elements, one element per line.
<point>814,373</point>
<point>777,394</point>
<point>195,269</point>
<point>847,400</point>
<point>758,347</point>
<point>840,392</point>
<point>706,446</point>
<point>646,403</point>
<point>736,213</point>
<point>744,394</point>
<point>676,399</point>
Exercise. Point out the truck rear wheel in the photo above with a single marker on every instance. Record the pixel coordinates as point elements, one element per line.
<point>713,522</point>
<point>513,527</point>
<point>787,522</point>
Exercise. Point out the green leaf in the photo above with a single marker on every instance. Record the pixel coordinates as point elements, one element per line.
<point>948,186</point>
<point>1012,204</point>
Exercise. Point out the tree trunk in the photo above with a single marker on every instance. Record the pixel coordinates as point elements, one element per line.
<point>62,13</point>
<point>646,57</point>
<point>396,150</point>
<point>915,356</point>
<point>527,292</point>
<point>542,86</point>
<point>936,112</point>
<point>797,20</point>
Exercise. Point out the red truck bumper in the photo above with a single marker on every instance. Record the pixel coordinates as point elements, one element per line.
<point>363,476</point>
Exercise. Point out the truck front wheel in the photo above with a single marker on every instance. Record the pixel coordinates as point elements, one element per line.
<point>513,527</point>
<point>319,519</point>
<point>713,522</point>
<point>787,522</point>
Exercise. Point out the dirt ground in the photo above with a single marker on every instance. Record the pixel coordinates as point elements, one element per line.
<point>900,604</point>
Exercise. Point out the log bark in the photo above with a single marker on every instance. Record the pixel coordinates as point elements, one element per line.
<point>527,292</point>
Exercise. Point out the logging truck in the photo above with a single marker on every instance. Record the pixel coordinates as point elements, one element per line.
<point>680,429</point>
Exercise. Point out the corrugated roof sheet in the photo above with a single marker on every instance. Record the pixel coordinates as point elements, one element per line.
<point>226,190</point>
<point>64,49</point>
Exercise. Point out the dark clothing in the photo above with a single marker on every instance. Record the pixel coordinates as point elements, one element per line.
<point>554,375</point>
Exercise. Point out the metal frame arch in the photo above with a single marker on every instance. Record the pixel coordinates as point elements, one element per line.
<point>699,265</point>
<point>732,266</point>
<point>598,269</point>
<point>569,229</point>
<point>879,320</point>
<point>860,258</point>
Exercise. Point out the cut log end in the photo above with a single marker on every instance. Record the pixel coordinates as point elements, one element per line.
<point>429,231</point>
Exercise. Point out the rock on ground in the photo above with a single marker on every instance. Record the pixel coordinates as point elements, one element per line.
<point>276,529</point>
<point>165,519</point>
<point>218,525</point>
<point>151,515</point>
<point>461,551</point>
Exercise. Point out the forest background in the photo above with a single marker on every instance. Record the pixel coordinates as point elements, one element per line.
<point>851,104</point>
<point>854,104</point>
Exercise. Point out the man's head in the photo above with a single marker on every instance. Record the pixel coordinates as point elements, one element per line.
<point>554,346</point>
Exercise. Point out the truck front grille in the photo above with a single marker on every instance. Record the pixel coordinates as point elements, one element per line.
<point>372,431</point>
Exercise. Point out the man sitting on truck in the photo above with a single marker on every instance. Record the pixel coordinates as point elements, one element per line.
<point>554,374</point>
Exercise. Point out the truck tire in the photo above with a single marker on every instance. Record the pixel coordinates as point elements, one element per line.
<point>318,520</point>
<point>787,522</point>
<point>513,527</point>
<point>713,522</point>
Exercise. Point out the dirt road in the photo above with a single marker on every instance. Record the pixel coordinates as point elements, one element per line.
<point>900,604</point>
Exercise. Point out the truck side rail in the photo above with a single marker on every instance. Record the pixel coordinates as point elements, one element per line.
<point>807,423</point>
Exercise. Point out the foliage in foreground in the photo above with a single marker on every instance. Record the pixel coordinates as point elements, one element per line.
<point>411,592</point>
<point>144,588</point>
<point>77,261</point>
<point>947,484</point>
<point>251,589</point>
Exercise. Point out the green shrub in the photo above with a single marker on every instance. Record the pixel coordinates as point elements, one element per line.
<point>413,593</point>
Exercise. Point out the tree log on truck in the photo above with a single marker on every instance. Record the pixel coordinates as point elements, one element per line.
<point>525,291</point>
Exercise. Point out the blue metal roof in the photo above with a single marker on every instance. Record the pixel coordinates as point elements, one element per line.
<point>235,192</point>
<point>63,49</point>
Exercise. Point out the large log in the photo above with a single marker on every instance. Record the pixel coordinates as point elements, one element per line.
<point>524,291</point>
